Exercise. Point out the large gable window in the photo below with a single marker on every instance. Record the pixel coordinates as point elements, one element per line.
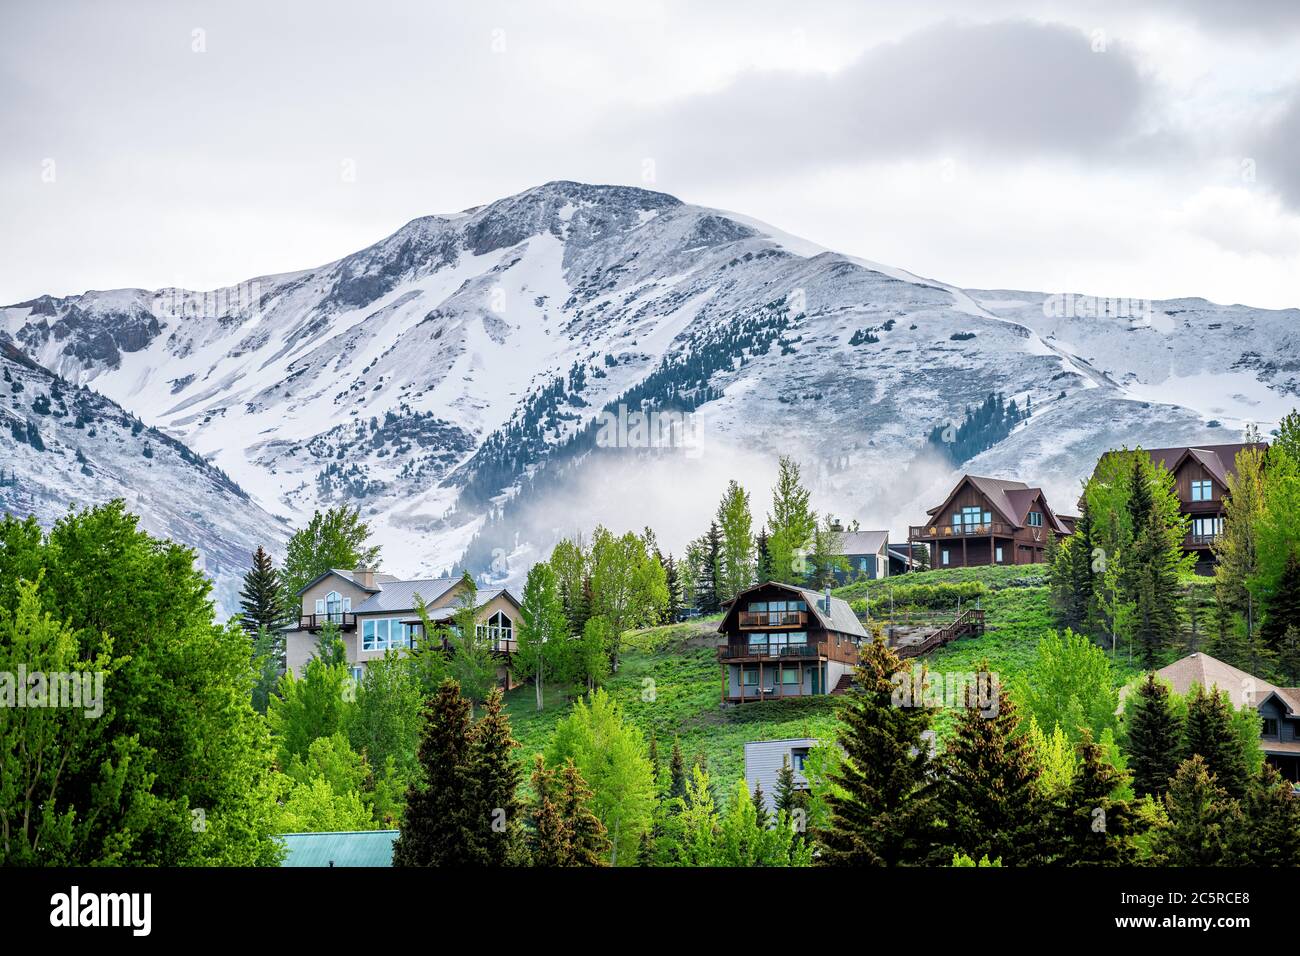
<point>332,607</point>
<point>969,518</point>
<point>1202,490</point>
<point>496,629</point>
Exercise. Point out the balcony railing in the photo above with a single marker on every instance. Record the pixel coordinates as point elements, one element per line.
<point>962,531</point>
<point>736,651</point>
<point>1200,540</point>
<point>346,621</point>
<point>757,619</point>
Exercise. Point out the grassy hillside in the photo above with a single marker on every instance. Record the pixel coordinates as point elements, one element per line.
<point>670,682</point>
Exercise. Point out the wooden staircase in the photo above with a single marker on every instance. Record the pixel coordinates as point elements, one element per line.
<point>843,684</point>
<point>967,623</point>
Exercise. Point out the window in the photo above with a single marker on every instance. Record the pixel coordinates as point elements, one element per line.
<point>998,554</point>
<point>944,555</point>
<point>497,629</point>
<point>385,633</point>
<point>790,638</point>
<point>357,673</point>
<point>758,607</point>
<point>797,757</point>
<point>969,518</point>
<point>1207,527</point>
<point>1270,727</point>
<point>789,675</point>
<point>1035,519</point>
<point>1202,490</point>
<point>751,676</point>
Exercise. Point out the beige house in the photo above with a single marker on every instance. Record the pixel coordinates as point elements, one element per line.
<point>375,613</point>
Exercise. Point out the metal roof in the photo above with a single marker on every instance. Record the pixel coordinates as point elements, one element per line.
<point>863,542</point>
<point>400,595</point>
<point>351,848</point>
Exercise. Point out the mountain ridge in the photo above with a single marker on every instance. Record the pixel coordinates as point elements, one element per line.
<point>449,379</point>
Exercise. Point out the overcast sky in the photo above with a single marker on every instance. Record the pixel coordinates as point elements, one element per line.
<point>1147,149</point>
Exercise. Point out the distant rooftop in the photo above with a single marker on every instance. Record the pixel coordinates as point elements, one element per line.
<point>348,848</point>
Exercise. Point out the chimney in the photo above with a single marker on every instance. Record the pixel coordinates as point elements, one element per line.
<point>828,599</point>
<point>365,577</point>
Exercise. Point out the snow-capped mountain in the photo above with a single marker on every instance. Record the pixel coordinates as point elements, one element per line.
<point>67,446</point>
<point>450,378</point>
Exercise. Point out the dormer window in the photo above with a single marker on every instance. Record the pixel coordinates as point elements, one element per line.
<point>1202,490</point>
<point>1035,519</point>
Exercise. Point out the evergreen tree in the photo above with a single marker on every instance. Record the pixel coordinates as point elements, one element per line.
<point>673,612</point>
<point>989,791</point>
<point>1072,577</point>
<point>1157,557</point>
<point>788,798</point>
<point>708,589</point>
<point>1209,734</point>
<point>440,827</point>
<point>589,843</point>
<point>1271,812</point>
<point>1288,657</point>
<point>262,599</point>
<point>549,839</point>
<point>763,557</point>
<point>762,814</point>
<point>1155,732</point>
<point>1283,608</point>
<point>493,775</point>
<point>881,807</point>
<point>1095,828</point>
<point>1202,822</point>
<point>677,772</point>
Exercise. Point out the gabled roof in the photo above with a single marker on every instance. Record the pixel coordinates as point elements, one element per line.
<point>1243,689</point>
<point>863,542</point>
<point>1010,499</point>
<point>351,848</point>
<point>349,576</point>
<point>1219,460</point>
<point>400,595</point>
<point>840,616</point>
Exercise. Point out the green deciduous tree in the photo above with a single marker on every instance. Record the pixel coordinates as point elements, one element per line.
<point>790,523</point>
<point>178,769</point>
<point>736,558</point>
<point>1070,684</point>
<point>610,755</point>
<point>335,539</point>
<point>543,632</point>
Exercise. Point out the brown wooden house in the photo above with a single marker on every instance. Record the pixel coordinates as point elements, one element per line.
<point>987,521</point>
<point>787,641</point>
<point>1201,478</point>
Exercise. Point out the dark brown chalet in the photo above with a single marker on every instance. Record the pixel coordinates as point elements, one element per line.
<point>787,641</point>
<point>989,521</point>
<point>1201,479</point>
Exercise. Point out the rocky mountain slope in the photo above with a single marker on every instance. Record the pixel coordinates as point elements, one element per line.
<point>451,378</point>
<point>65,446</point>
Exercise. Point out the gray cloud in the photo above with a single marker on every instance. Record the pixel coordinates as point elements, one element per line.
<point>1004,89</point>
<point>1278,154</point>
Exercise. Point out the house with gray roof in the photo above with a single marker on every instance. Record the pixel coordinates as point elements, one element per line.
<point>376,613</point>
<point>866,553</point>
<point>782,640</point>
<point>1279,707</point>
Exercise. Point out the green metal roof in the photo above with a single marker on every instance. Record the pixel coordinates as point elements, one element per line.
<point>354,848</point>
